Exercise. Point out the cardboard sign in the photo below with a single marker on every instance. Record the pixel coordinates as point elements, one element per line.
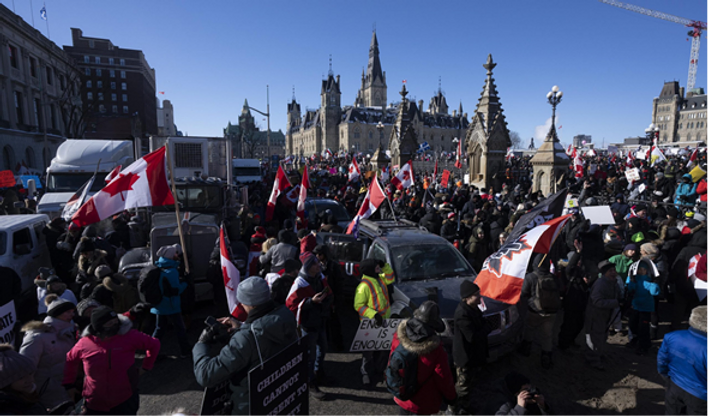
<point>280,385</point>
<point>217,400</point>
<point>632,175</point>
<point>445,178</point>
<point>601,215</point>
<point>571,202</point>
<point>7,179</point>
<point>8,318</point>
<point>26,178</point>
<point>370,338</point>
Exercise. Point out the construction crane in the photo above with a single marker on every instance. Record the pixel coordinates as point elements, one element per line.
<point>697,28</point>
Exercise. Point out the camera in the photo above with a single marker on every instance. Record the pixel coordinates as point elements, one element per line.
<point>533,391</point>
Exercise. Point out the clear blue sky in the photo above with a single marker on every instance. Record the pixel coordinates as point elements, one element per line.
<point>211,55</point>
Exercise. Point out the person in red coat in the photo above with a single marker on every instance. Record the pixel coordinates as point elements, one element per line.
<point>435,382</point>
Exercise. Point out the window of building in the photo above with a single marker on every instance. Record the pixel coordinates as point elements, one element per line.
<point>8,157</point>
<point>371,134</point>
<point>99,73</point>
<point>13,56</point>
<point>122,62</point>
<point>37,106</point>
<point>97,59</point>
<point>112,73</point>
<point>87,72</point>
<point>111,61</point>
<point>125,109</point>
<point>114,97</point>
<point>92,43</point>
<point>102,108</point>
<point>100,96</point>
<point>680,125</point>
<point>89,96</point>
<point>114,109</point>
<point>18,107</point>
<point>87,59</point>
<point>125,97</point>
<point>356,133</point>
<point>123,86</point>
<point>99,84</point>
<point>113,85</point>
<point>89,84</point>
<point>53,116</point>
<point>29,158</point>
<point>122,74</point>
<point>33,67</point>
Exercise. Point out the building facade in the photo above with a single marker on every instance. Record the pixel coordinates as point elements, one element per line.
<point>249,142</point>
<point>580,138</point>
<point>356,127</point>
<point>680,119</point>
<point>39,89</point>
<point>166,119</point>
<point>117,88</point>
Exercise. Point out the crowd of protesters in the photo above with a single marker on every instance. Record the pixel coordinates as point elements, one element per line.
<point>78,351</point>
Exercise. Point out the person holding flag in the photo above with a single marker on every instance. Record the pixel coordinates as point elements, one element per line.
<point>372,201</point>
<point>354,172</point>
<point>280,185</point>
<point>404,178</point>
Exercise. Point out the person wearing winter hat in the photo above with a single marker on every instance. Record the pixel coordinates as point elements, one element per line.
<point>122,294</point>
<point>682,363</point>
<point>268,329</point>
<point>46,344</point>
<point>110,338</point>
<point>469,345</point>
<point>170,307</point>
<point>517,397</point>
<point>19,394</point>
<point>52,284</point>
<point>418,335</point>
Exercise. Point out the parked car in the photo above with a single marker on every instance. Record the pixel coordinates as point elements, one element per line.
<point>316,209</point>
<point>427,267</point>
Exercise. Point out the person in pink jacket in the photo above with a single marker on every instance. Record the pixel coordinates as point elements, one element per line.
<point>107,352</point>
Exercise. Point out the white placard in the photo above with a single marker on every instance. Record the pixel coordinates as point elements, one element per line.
<point>571,202</point>
<point>8,318</point>
<point>642,188</point>
<point>632,174</point>
<point>601,215</point>
<point>370,338</point>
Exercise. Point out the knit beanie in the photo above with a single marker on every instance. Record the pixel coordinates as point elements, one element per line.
<point>13,366</point>
<point>468,288</point>
<point>368,267</point>
<point>100,316</point>
<point>697,320</point>
<point>103,271</point>
<point>85,304</point>
<point>253,291</point>
<point>57,306</point>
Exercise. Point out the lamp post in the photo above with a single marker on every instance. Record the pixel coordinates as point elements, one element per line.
<point>267,114</point>
<point>554,98</point>
<point>380,127</point>
<point>455,141</point>
<point>652,132</point>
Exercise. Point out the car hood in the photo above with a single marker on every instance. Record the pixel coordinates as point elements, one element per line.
<point>55,198</point>
<point>448,294</point>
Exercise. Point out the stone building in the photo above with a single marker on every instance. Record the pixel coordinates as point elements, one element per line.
<point>580,138</point>
<point>118,88</point>
<point>39,89</point>
<point>166,119</point>
<point>679,118</point>
<point>249,141</point>
<point>487,136</point>
<point>354,127</point>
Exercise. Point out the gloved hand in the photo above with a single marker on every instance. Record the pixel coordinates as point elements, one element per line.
<point>208,335</point>
<point>379,320</point>
<point>139,309</point>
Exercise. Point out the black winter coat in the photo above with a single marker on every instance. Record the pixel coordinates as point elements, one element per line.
<point>470,345</point>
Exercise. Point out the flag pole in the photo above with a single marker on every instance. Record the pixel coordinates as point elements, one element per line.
<point>179,220</point>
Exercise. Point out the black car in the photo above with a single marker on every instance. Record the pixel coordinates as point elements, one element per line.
<point>427,267</point>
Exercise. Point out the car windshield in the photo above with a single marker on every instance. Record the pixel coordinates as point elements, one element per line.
<point>71,182</point>
<point>429,261</point>
<point>318,207</point>
<point>247,171</point>
<point>3,242</point>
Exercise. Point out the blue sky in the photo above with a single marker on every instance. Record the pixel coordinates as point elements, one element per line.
<point>211,55</point>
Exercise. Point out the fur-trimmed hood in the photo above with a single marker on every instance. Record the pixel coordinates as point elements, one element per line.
<point>125,326</point>
<point>117,283</point>
<point>424,347</point>
<point>36,327</point>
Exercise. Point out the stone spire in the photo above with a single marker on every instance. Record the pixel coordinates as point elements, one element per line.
<point>489,106</point>
<point>374,71</point>
<point>245,110</point>
<point>403,141</point>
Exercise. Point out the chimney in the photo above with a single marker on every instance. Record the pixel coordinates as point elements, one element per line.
<point>337,79</point>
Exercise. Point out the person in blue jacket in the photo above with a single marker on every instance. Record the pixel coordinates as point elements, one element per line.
<point>682,363</point>
<point>686,191</point>
<point>170,308</point>
<point>642,287</point>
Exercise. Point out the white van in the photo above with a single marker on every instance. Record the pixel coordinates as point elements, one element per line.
<point>247,170</point>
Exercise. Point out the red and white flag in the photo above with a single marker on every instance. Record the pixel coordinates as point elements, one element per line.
<point>372,201</point>
<point>630,157</point>
<point>458,155</point>
<point>404,178</point>
<point>435,172</point>
<point>300,291</point>
<point>112,174</point>
<point>231,278</point>
<point>77,200</point>
<point>142,184</point>
<point>697,279</point>
<point>281,184</point>
<point>354,172</point>
<point>569,150</point>
<point>578,165</point>
<point>509,154</point>
<point>304,187</point>
<point>502,274</point>
<point>692,159</point>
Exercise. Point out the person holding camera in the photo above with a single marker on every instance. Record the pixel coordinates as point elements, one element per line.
<point>268,329</point>
<point>522,398</point>
<point>170,307</point>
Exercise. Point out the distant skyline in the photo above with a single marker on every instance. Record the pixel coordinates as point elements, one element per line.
<point>211,56</point>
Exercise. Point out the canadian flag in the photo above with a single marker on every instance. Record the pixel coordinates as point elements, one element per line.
<point>569,150</point>
<point>404,178</point>
<point>231,278</point>
<point>578,163</point>
<point>502,274</point>
<point>692,159</point>
<point>354,171</point>
<point>281,184</point>
<point>458,156</point>
<point>509,154</point>
<point>112,174</point>
<point>372,201</point>
<point>142,184</point>
<point>630,157</point>
<point>304,187</point>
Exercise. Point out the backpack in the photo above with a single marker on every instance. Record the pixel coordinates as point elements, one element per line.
<point>149,285</point>
<point>402,373</point>
<point>547,297</point>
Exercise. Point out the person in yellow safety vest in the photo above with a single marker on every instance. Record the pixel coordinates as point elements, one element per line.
<point>371,301</point>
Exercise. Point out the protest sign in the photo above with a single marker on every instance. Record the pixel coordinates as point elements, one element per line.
<point>280,384</point>
<point>7,179</point>
<point>8,318</point>
<point>632,175</point>
<point>370,338</point>
<point>445,178</point>
<point>601,215</point>
<point>217,400</point>
<point>25,178</point>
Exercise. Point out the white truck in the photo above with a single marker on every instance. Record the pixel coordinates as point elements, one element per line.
<point>247,170</point>
<point>194,156</point>
<point>75,163</point>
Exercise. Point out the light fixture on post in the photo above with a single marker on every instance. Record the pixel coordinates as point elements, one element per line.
<point>554,98</point>
<point>652,132</point>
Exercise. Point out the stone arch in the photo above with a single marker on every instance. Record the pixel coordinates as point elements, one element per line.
<point>29,157</point>
<point>541,179</point>
<point>8,157</point>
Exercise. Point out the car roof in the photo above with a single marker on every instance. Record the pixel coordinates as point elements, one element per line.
<point>399,234</point>
<point>15,221</point>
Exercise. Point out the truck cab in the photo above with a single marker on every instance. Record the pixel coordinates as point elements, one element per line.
<point>246,171</point>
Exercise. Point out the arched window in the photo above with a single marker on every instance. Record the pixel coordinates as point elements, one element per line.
<point>8,158</point>
<point>29,157</point>
<point>371,134</point>
<point>357,132</point>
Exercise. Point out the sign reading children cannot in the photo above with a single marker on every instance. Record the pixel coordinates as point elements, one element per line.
<point>370,338</point>
<point>8,318</point>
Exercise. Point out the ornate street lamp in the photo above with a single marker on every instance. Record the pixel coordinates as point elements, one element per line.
<point>554,98</point>
<point>652,132</point>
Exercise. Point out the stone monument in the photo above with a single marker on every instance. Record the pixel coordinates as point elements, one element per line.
<point>550,163</point>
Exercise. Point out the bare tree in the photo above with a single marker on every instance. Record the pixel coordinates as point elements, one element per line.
<point>73,111</point>
<point>515,140</point>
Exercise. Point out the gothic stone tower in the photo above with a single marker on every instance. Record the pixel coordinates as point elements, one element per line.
<point>403,142</point>
<point>373,86</point>
<point>330,113</point>
<point>487,136</point>
<point>293,121</point>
